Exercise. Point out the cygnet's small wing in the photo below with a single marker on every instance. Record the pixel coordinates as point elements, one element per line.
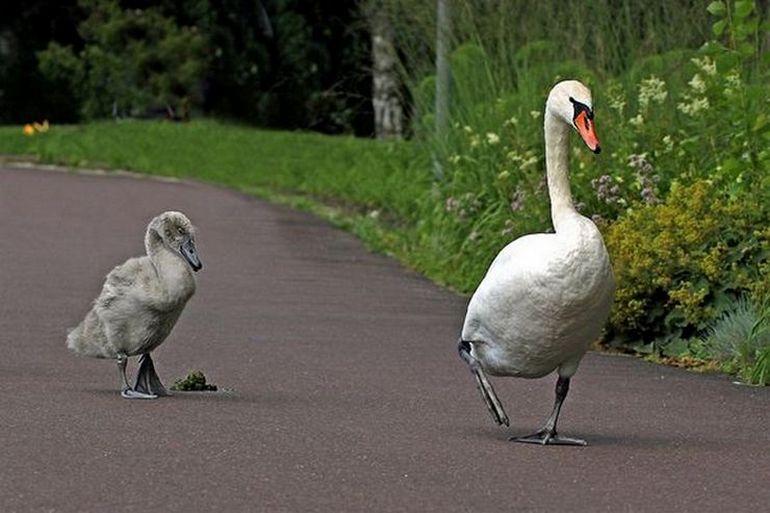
<point>106,330</point>
<point>92,337</point>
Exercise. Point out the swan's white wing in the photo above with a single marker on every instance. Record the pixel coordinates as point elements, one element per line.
<point>542,302</point>
<point>511,288</point>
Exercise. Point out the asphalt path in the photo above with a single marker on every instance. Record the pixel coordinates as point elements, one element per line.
<point>344,392</point>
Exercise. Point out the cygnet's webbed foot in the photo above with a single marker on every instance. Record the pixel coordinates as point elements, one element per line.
<point>147,380</point>
<point>485,386</point>
<point>125,389</point>
<point>129,393</point>
<point>545,437</point>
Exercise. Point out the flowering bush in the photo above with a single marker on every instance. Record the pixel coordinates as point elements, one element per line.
<point>680,263</point>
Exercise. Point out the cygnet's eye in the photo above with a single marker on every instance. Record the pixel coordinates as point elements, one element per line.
<point>180,230</point>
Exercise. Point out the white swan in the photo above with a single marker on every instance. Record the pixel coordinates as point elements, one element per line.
<point>546,296</point>
<point>140,302</point>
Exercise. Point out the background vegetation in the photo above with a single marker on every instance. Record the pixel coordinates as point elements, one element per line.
<point>679,196</point>
<point>277,63</point>
<point>680,91</point>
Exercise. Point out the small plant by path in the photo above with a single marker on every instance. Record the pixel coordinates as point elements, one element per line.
<point>195,381</point>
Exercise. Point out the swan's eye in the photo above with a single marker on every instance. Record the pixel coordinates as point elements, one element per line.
<point>180,230</point>
<point>581,110</point>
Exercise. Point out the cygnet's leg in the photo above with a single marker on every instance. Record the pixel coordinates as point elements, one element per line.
<point>547,435</point>
<point>121,361</point>
<point>485,386</point>
<point>125,389</point>
<point>147,380</point>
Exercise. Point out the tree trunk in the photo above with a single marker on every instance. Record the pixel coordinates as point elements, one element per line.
<point>386,97</point>
<point>443,79</point>
<point>763,12</point>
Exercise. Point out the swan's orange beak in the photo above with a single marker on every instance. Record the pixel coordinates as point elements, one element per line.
<point>586,129</point>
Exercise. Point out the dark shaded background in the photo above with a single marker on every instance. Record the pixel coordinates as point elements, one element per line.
<point>311,61</point>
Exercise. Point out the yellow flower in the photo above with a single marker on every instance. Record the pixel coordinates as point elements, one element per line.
<point>41,127</point>
<point>28,129</point>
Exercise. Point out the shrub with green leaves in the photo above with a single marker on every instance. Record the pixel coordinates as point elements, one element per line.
<point>681,263</point>
<point>133,60</point>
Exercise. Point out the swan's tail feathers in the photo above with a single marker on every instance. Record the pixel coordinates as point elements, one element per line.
<point>88,338</point>
<point>485,386</point>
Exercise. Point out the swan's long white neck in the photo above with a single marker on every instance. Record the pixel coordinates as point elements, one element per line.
<point>557,134</point>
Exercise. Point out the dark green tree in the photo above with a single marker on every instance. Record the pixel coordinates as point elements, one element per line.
<point>26,27</point>
<point>286,63</point>
<point>132,61</point>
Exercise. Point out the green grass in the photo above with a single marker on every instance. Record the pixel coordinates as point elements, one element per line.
<point>235,156</point>
<point>368,187</point>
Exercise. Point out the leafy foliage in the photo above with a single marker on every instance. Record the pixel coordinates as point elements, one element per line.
<point>298,63</point>
<point>133,60</point>
<point>280,63</point>
<point>26,27</point>
<point>681,263</point>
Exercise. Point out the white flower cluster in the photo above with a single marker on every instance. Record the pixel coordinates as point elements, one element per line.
<point>637,120</point>
<point>706,65</point>
<point>651,89</point>
<point>528,159</point>
<point>513,121</point>
<point>617,103</point>
<point>668,141</point>
<point>693,106</point>
<point>697,84</point>
<point>696,101</point>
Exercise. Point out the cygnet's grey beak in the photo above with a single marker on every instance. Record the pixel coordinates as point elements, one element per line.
<point>191,254</point>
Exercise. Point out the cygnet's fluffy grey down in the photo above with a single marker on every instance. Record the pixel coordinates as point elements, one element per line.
<point>140,303</point>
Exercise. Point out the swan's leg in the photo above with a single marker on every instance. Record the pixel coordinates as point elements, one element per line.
<point>547,435</point>
<point>125,389</point>
<point>147,380</point>
<point>485,387</point>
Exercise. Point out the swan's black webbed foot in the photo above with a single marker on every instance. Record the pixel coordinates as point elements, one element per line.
<point>485,387</point>
<point>544,437</point>
<point>547,435</point>
<point>147,380</point>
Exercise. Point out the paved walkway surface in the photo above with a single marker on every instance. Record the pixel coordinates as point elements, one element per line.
<point>345,391</point>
